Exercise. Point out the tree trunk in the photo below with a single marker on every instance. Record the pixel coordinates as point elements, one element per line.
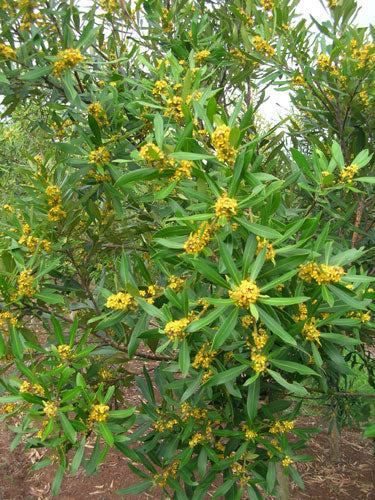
<point>283,480</point>
<point>334,437</point>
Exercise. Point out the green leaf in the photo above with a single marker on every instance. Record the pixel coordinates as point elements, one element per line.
<point>271,477</point>
<point>258,229</point>
<point>106,433</point>
<point>2,345</point>
<point>225,376</point>
<point>275,327</point>
<point>369,431</point>
<point>225,329</point>
<point>337,154</point>
<point>230,266</point>
<point>56,485</point>
<point>209,272</point>
<point>137,175</point>
<point>206,320</point>
<point>182,155</point>
<point>77,459</point>
<point>282,301</point>
<point>292,367</point>
<point>17,347</point>
<point>253,399</point>
<point>159,130</point>
<point>136,488</point>
<point>49,297</point>
<point>68,428</point>
<point>36,73</point>
<point>302,163</point>
<point>369,180</point>
<point>151,309</point>
<point>296,388</point>
<point>184,358</point>
<point>350,301</point>
<point>258,264</point>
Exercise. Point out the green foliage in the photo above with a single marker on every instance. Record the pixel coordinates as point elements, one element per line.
<point>156,219</point>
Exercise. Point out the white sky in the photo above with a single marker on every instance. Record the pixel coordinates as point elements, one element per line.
<point>278,103</point>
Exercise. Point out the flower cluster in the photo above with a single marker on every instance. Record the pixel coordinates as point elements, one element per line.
<point>259,360</point>
<point>164,423</point>
<point>109,5</point>
<point>197,241</point>
<point>298,81</point>
<point>119,301</point>
<point>25,283</point>
<point>7,52</point>
<point>29,15</point>
<point>247,321</point>
<point>249,434</point>
<point>28,388</point>
<point>286,461</point>
<point>310,331</point>
<point>170,471</point>
<point>184,170</point>
<point>200,57</point>
<point>68,59</point>
<point>99,156</point>
<point>263,47</point>
<point>225,206</point>
<point>95,109</point>
<point>56,212</point>
<point>64,351</point>
<point>260,338</point>
<point>322,274</point>
<point>176,329</point>
<point>50,408</point>
<point>176,283</point>
<point>267,4</point>
<point>302,313</point>
<point>237,54</point>
<point>174,109</point>
<point>249,20</point>
<point>282,427</point>
<point>365,55</point>
<point>204,356</point>
<point>246,293</point>
<point>167,25</point>
<point>348,173</point>
<point>220,140</point>
<point>160,88</point>
<point>99,413</point>
<point>197,439</point>
<point>270,252</point>
<point>323,62</point>
<point>198,414</point>
<point>155,156</point>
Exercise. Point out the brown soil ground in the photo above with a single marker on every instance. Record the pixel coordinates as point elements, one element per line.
<point>352,478</point>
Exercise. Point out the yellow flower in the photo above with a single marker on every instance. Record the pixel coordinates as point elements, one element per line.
<point>99,157</point>
<point>310,331</point>
<point>348,173</point>
<point>247,321</point>
<point>56,213</point>
<point>267,4</point>
<point>50,408</point>
<point>322,274</point>
<point>323,62</point>
<point>204,356</point>
<point>95,109</point>
<point>25,283</point>
<point>270,252</point>
<point>176,329</point>
<point>263,47</point>
<point>287,461</point>
<point>197,241</point>
<point>220,140</point>
<point>160,87</point>
<point>260,361</point>
<point>7,52</point>
<point>99,413</point>
<point>176,283</point>
<point>245,294</point>
<point>201,56</point>
<point>7,207</point>
<point>298,81</point>
<point>68,59</point>
<point>196,439</point>
<point>64,351</point>
<point>225,206</point>
<point>119,301</point>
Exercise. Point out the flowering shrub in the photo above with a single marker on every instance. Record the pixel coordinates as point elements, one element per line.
<point>156,222</point>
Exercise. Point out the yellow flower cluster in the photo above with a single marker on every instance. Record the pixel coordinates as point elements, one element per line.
<point>99,156</point>
<point>310,331</point>
<point>105,374</point>
<point>176,329</point>
<point>96,110</point>
<point>29,17</point>
<point>323,62</point>
<point>155,156</point>
<point>260,361</point>
<point>166,23</point>
<point>8,208</point>
<point>165,424</point>
<point>364,317</point>
<point>246,293</point>
<point>267,4</point>
<point>160,88</point>
<point>7,315</point>
<point>184,170</point>
<point>197,241</point>
<point>61,128</point>
<point>50,408</point>
<point>197,439</point>
<point>64,351</point>
<point>109,5</point>
<point>119,301</point>
<point>282,427</point>
<point>200,57</point>
<point>260,338</point>
<point>270,252</point>
<point>68,59</point>
<point>7,408</point>
<point>322,274</point>
<point>220,140</point>
<point>237,54</point>
<point>25,283</point>
<point>332,3</point>
<point>36,389</point>
<point>176,283</point>
<point>7,52</point>
<point>249,434</point>
<point>298,81</point>
<point>263,47</point>
<point>188,411</point>
<point>365,58</point>
<point>287,461</point>
<point>174,109</point>
<point>249,20</point>
<point>99,413</point>
<point>170,471</point>
<point>225,206</point>
<point>363,95</point>
<point>302,313</point>
<point>348,173</point>
<point>56,212</point>
<point>99,177</point>
<point>204,356</point>
<point>247,321</point>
